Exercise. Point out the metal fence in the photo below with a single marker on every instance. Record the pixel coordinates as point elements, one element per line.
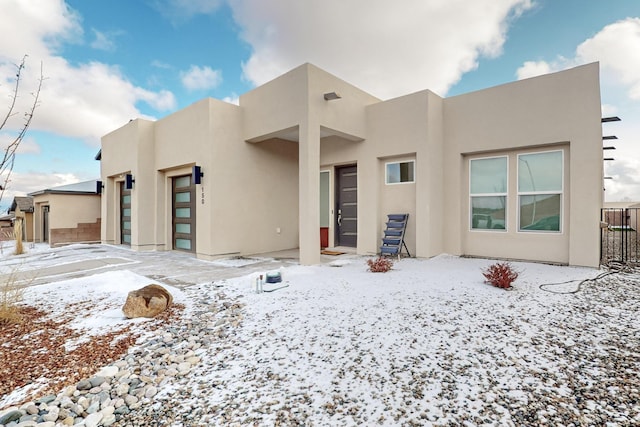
<point>619,235</point>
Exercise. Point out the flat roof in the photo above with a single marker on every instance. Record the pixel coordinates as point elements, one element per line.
<point>85,187</point>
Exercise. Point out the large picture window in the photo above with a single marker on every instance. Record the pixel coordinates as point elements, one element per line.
<point>540,189</point>
<point>400,172</point>
<point>488,191</point>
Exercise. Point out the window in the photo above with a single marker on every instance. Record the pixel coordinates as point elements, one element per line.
<point>488,191</point>
<point>400,172</point>
<point>540,191</point>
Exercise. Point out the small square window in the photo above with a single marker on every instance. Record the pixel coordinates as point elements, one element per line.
<point>400,172</point>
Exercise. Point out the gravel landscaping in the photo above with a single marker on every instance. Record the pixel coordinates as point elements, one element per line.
<point>428,343</point>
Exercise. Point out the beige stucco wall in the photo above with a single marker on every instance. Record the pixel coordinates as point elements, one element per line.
<point>297,97</point>
<point>238,209</point>
<point>404,128</point>
<point>129,149</point>
<point>293,106</point>
<point>398,131</point>
<point>262,160</point>
<point>397,199</point>
<point>27,225</point>
<point>511,243</point>
<point>559,108</point>
<point>66,211</point>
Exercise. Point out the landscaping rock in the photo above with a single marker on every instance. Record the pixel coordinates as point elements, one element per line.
<point>11,415</point>
<point>147,302</point>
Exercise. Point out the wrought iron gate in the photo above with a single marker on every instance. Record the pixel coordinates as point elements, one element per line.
<point>619,235</point>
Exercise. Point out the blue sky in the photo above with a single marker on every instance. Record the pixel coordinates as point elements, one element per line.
<point>106,62</point>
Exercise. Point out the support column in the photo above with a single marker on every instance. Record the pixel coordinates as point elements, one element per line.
<point>108,210</point>
<point>309,193</point>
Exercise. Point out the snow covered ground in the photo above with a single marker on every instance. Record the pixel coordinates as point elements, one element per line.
<point>428,343</point>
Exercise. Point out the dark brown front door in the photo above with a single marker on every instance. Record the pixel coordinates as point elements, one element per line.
<point>184,214</point>
<point>347,206</point>
<point>125,215</point>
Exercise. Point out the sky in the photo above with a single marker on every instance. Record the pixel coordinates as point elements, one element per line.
<point>107,62</point>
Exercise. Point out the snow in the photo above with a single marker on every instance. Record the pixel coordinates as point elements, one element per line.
<point>236,261</point>
<point>335,330</point>
<point>371,324</point>
<point>104,294</point>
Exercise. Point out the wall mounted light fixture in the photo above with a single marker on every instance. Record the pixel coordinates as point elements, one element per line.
<point>128,181</point>
<point>99,187</point>
<point>330,96</point>
<point>196,174</point>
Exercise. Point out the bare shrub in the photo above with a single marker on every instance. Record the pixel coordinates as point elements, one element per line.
<point>17,232</point>
<point>380,264</point>
<point>10,296</point>
<point>500,274</point>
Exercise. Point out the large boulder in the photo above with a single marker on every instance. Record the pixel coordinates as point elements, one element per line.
<point>147,302</point>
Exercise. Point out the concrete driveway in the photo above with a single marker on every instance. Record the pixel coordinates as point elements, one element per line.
<point>46,265</point>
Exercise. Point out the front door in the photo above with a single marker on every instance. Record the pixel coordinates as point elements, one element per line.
<point>347,206</point>
<point>45,223</point>
<point>125,215</point>
<point>184,214</point>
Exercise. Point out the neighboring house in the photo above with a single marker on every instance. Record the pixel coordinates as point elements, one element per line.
<point>22,207</point>
<point>6,227</point>
<point>514,171</point>
<point>67,214</point>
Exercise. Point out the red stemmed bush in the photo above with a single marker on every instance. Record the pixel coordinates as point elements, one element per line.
<point>380,264</point>
<point>500,274</point>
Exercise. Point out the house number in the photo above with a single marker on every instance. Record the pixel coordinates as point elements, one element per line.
<point>202,196</point>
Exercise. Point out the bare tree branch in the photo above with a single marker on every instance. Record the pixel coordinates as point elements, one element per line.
<point>8,156</point>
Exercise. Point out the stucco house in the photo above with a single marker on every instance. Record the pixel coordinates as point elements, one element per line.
<point>22,207</point>
<point>513,171</point>
<point>67,214</point>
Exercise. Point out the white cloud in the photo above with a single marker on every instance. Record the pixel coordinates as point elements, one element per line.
<point>625,184</point>
<point>617,48</point>
<point>386,50</point>
<point>36,28</point>
<point>201,78</point>
<point>87,101</point>
<point>232,99</point>
<point>27,145</point>
<point>103,41</point>
<point>21,184</point>
<point>533,68</point>
<point>80,101</point>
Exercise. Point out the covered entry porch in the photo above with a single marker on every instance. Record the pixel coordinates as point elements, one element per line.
<point>327,193</point>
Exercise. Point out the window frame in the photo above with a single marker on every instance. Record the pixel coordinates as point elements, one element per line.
<point>386,172</point>
<point>560,193</point>
<point>504,194</point>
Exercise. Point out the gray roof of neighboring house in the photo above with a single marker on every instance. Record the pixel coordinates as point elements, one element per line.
<point>25,203</point>
<point>85,187</point>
